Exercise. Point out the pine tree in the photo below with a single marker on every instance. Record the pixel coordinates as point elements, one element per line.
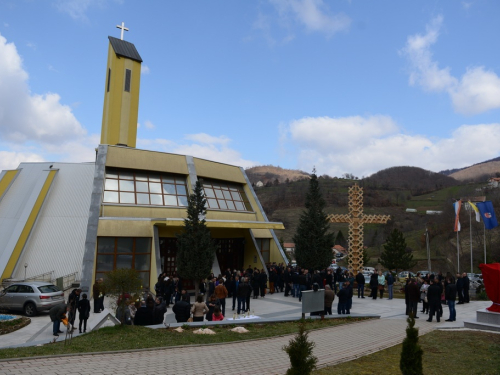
<point>195,246</point>
<point>300,351</point>
<point>411,354</point>
<point>394,255</point>
<point>313,242</point>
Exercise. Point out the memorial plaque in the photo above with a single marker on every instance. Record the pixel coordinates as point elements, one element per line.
<point>313,301</point>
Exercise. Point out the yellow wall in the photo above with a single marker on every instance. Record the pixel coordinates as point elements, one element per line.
<point>21,242</point>
<point>219,171</point>
<point>109,210</point>
<point>123,157</point>
<point>121,108</point>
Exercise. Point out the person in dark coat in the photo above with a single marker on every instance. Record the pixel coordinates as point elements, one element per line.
<point>329,298</point>
<point>263,283</point>
<point>145,314</point>
<point>374,285</point>
<point>434,299</point>
<point>98,294</point>
<point>57,313</point>
<point>73,299</point>
<point>413,293</point>
<point>255,281</point>
<point>465,287</point>
<point>287,278</point>
<point>83,312</point>
<point>182,310</point>
<point>243,290</point>
<point>450,294</point>
<point>360,279</point>
<point>460,289</point>
<point>160,310</point>
<point>343,295</point>
<point>350,293</point>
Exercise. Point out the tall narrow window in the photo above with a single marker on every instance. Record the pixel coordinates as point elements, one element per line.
<point>109,77</point>
<point>128,74</point>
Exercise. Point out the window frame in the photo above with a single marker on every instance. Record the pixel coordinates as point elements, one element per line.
<point>227,192</point>
<point>138,178</point>
<point>115,253</point>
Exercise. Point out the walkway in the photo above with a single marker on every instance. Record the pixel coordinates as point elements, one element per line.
<point>264,356</point>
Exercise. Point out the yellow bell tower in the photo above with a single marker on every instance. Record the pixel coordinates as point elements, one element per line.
<point>121,93</point>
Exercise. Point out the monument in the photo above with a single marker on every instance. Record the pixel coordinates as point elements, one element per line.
<point>356,219</point>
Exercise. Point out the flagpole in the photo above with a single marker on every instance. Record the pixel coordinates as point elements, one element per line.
<point>470,236</point>
<point>484,240</point>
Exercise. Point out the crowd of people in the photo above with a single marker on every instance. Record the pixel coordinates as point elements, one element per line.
<point>239,287</point>
<point>434,291</point>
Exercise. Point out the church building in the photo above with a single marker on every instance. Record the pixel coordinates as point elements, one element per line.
<point>124,210</point>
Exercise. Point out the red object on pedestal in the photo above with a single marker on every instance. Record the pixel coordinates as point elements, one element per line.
<point>491,279</point>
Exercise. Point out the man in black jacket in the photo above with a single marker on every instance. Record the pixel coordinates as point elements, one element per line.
<point>287,276</point>
<point>57,313</point>
<point>460,289</point>
<point>182,310</point>
<point>450,294</point>
<point>465,287</point>
<point>413,293</point>
<point>434,297</point>
<point>360,279</point>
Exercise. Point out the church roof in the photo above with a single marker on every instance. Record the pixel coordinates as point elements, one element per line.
<point>125,49</point>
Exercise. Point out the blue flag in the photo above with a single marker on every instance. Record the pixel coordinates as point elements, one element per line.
<point>488,214</point>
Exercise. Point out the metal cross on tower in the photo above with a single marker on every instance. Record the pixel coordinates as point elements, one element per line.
<point>356,219</point>
<point>123,29</point>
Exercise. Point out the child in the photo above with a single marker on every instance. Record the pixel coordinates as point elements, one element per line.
<point>217,315</point>
<point>84,310</point>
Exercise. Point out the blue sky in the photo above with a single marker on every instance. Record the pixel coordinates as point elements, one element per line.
<point>345,86</point>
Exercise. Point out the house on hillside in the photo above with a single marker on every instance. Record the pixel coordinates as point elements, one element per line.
<point>289,247</point>
<point>493,182</point>
<point>259,184</point>
<point>337,249</point>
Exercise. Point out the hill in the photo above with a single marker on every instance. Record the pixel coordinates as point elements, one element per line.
<point>478,172</point>
<point>417,180</point>
<point>270,173</point>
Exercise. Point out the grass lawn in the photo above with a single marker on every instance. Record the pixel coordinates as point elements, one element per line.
<point>445,352</point>
<point>136,337</point>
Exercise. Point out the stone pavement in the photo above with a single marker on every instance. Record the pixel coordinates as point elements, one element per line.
<point>263,356</point>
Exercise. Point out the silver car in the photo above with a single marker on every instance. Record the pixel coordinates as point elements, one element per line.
<point>31,297</point>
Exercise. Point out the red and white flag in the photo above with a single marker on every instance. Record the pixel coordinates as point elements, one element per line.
<point>457,205</point>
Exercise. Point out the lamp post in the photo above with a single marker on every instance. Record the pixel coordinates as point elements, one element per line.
<point>25,268</point>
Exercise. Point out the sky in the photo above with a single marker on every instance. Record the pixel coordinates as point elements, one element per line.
<point>345,86</point>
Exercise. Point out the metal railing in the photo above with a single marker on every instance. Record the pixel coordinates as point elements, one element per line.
<point>47,277</point>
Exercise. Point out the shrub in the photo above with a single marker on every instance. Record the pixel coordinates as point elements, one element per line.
<point>411,355</point>
<point>299,349</point>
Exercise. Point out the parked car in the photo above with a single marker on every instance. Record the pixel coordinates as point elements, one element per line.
<point>403,275</point>
<point>367,276</point>
<point>31,297</point>
<point>369,269</point>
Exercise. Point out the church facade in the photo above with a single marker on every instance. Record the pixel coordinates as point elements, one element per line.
<point>125,209</point>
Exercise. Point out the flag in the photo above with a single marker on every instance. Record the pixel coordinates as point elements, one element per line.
<point>457,206</point>
<point>474,207</point>
<point>488,214</point>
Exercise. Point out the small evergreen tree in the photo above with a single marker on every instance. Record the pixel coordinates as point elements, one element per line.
<point>119,284</point>
<point>300,351</point>
<point>411,354</point>
<point>313,242</point>
<point>394,255</point>
<point>195,247</point>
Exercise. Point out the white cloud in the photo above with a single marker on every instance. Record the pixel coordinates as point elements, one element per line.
<point>12,159</point>
<point>477,91</point>
<point>314,15</point>
<point>145,69</point>
<point>202,146</point>
<point>30,117</point>
<point>149,125</point>
<point>35,127</point>
<point>77,9</point>
<point>364,145</point>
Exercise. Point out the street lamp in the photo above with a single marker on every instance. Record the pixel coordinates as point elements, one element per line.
<point>25,267</point>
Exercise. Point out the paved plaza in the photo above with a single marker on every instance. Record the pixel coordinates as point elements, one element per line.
<point>263,356</point>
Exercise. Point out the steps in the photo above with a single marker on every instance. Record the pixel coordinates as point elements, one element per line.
<point>485,321</point>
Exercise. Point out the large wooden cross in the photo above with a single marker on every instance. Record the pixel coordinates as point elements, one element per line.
<point>356,219</point>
